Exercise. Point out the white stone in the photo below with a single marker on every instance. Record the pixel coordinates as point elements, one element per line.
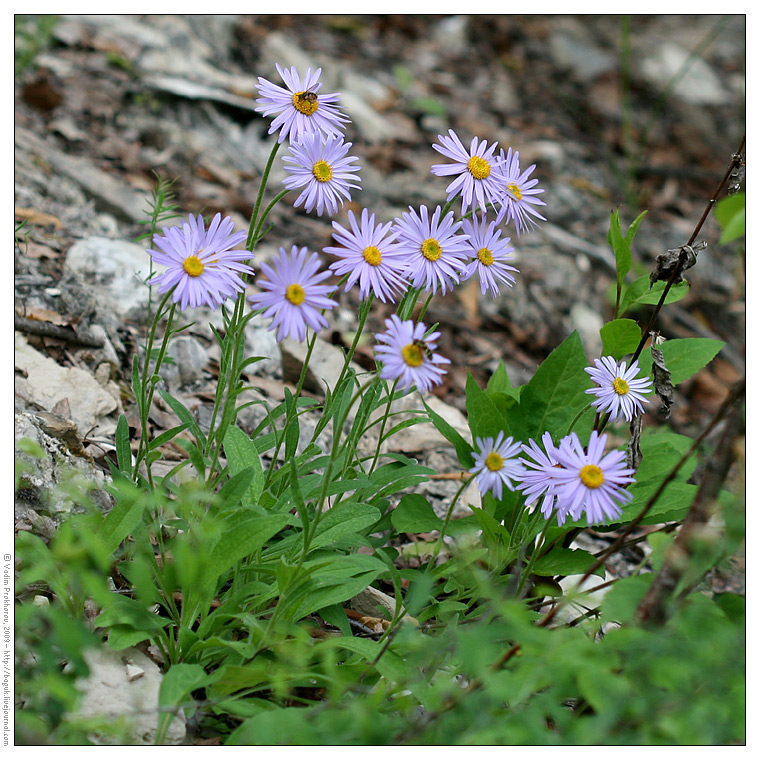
<point>108,693</point>
<point>47,383</point>
<point>117,271</point>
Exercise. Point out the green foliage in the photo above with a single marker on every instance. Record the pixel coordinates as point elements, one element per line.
<point>731,213</point>
<point>32,35</point>
<point>249,566</point>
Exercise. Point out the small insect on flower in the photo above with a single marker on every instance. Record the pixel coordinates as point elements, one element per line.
<point>320,166</point>
<point>476,181</point>
<point>496,464</point>
<point>369,255</point>
<point>307,97</point>
<point>592,481</point>
<point>294,298</point>
<point>518,193</point>
<point>618,390</point>
<point>408,355</point>
<point>200,264</point>
<point>490,255</point>
<point>299,107</point>
<point>436,254</point>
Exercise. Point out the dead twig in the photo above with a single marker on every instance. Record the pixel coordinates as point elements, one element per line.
<point>50,330</point>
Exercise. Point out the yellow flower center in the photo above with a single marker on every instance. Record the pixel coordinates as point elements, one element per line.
<point>412,354</point>
<point>322,171</point>
<point>515,190</point>
<point>494,461</point>
<point>295,294</point>
<point>193,266</point>
<point>478,167</point>
<point>431,249</point>
<point>372,255</point>
<point>620,386</point>
<point>305,102</point>
<point>592,476</point>
<point>485,257</point>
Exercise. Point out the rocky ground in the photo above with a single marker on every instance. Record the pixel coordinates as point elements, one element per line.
<point>111,101</point>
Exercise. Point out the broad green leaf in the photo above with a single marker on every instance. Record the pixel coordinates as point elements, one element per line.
<point>176,685</point>
<point>389,663</point>
<point>414,515</point>
<point>178,682</point>
<point>555,394</point>
<point>684,357</point>
<point>234,490</point>
<point>333,581</point>
<point>499,382</point>
<point>620,337</point>
<point>670,506</point>
<point>245,533</point>
<point>620,603</point>
<point>731,213</point>
<point>346,519</point>
<point>641,291</point>
<point>121,520</point>
<point>483,415</point>
<point>335,615</point>
<point>560,561</point>
<point>241,453</point>
<point>128,612</point>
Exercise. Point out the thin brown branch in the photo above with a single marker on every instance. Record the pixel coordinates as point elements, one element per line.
<point>652,608</point>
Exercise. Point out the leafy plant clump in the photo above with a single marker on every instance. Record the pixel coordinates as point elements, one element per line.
<point>239,567</point>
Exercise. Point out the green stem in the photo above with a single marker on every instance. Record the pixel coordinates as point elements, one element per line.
<point>254,216</point>
<point>525,575</point>
<point>148,381</point>
<point>442,533</point>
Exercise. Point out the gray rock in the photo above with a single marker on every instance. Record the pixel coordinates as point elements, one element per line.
<point>45,383</point>
<point>698,85</point>
<point>325,364</point>
<point>122,689</point>
<point>62,459</point>
<point>584,60</point>
<point>110,194</point>
<point>588,323</point>
<point>190,357</point>
<point>374,603</point>
<point>423,436</point>
<point>261,341</point>
<point>116,269</point>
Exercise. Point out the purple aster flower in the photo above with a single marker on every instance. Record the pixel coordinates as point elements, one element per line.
<point>294,296</point>
<point>300,109</point>
<point>200,265</point>
<point>538,478</point>
<point>477,183</point>
<point>407,355</point>
<point>321,167</point>
<point>489,254</point>
<point>496,464</point>
<point>435,253</point>
<point>591,481</point>
<point>618,390</point>
<point>369,255</point>
<point>518,193</point>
